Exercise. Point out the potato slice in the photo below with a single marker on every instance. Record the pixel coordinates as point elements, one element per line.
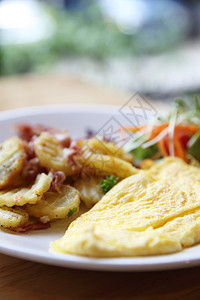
<point>54,206</point>
<point>89,189</point>
<point>147,163</point>
<point>17,181</point>
<point>51,155</point>
<point>12,157</point>
<point>97,145</point>
<point>13,217</point>
<point>100,164</point>
<point>21,196</point>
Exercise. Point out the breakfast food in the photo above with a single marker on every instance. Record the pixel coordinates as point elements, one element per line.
<point>175,134</point>
<point>12,157</point>
<point>142,199</point>
<point>44,175</point>
<point>155,211</point>
<point>55,205</point>
<point>152,212</point>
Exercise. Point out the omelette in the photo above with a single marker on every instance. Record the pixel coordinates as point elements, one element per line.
<point>156,211</point>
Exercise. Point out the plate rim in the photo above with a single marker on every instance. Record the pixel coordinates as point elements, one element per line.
<point>53,108</point>
<point>98,264</point>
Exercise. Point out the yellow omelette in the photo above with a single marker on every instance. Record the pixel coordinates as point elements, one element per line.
<point>152,212</point>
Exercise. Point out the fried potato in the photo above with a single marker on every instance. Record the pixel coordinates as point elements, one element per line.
<point>147,164</point>
<point>98,145</point>
<point>21,196</point>
<point>100,164</point>
<point>12,157</point>
<point>51,154</point>
<point>13,217</point>
<point>54,206</point>
<point>89,189</point>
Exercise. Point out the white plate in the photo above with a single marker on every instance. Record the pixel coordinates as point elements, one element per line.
<point>34,246</point>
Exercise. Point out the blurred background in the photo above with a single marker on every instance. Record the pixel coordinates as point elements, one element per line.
<point>150,46</point>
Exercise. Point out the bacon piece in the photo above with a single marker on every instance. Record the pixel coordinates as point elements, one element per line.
<point>28,147</point>
<point>26,132</point>
<point>31,169</point>
<point>64,139</point>
<point>33,226</point>
<point>57,181</point>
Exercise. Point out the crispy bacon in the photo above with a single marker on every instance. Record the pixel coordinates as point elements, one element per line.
<point>29,149</point>
<point>64,139</point>
<point>31,169</point>
<point>27,132</point>
<point>32,226</point>
<point>57,181</point>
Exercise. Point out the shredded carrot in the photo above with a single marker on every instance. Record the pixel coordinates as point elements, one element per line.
<point>163,147</point>
<point>179,150</point>
<point>157,130</point>
<point>188,128</point>
<point>182,134</point>
<point>133,129</point>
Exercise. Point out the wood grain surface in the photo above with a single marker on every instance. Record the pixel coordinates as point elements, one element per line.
<point>31,90</point>
<point>20,279</point>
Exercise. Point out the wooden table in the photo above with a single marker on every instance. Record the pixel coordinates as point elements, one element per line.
<point>20,279</point>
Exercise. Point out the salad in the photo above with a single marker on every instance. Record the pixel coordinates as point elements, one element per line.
<point>177,134</point>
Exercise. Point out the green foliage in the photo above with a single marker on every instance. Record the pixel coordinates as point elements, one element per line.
<point>71,211</point>
<point>185,110</point>
<point>108,183</point>
<point>144,153</point>
<point>84,33</point>
<point>194,146</point>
